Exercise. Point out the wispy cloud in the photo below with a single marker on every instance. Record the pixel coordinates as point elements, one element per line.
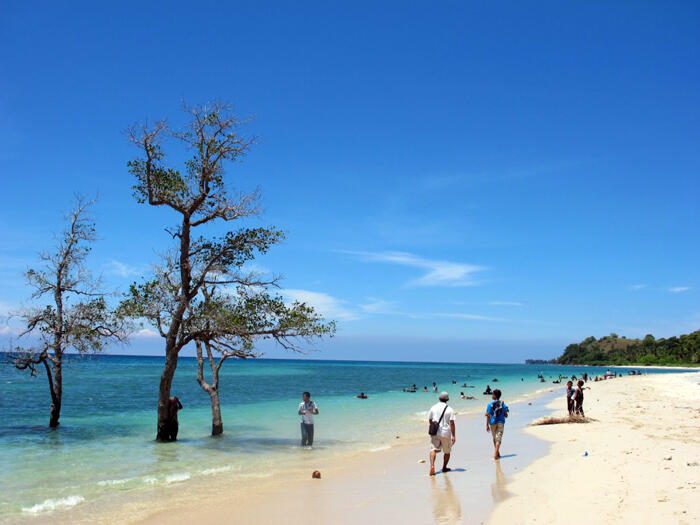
<point>504,303</point>
<point>378,306</point>
<point>471,317</point>
<point>121,269</point>
<point>635,287</point>
<point>679,289</point>
<point>6,309</point>
<point>439,273</point>
<point>381,307</point>
<point>324,304</point>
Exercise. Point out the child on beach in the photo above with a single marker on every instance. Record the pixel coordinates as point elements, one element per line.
<point>578,399</point>
<point>570,397</point>
<point>496,414</point>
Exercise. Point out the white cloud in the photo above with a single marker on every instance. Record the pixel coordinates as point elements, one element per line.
<point>679,289</point>
<point>635,287</point>
<point>9,330</point>
<point>122,269</point>
<point>439,273</point>
<point>146,333</point>
<point>504,303</point>
<point>326,305</point>
<point>251,267</point>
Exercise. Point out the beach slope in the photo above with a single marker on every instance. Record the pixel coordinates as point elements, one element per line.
<point>639,462</point>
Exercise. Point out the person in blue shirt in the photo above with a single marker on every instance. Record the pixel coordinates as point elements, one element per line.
<point>496,414</point>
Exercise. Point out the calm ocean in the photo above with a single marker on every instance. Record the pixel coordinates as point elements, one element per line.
<point>104,447</point>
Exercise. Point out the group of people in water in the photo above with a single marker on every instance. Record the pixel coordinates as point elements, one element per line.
<point>486,392</point>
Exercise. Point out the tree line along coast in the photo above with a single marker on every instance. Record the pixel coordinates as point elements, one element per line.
<point>610,350</point>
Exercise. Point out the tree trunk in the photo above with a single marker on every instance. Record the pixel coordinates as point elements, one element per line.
<point>167,422</point>
<point>217,426</point>
<point>56,389</point>
<point>167,418</point>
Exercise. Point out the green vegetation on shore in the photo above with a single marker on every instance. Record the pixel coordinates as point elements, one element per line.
<point>614,350</point>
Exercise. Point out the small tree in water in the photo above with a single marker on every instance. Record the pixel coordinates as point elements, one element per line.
<point>230,322</point>
<point>77,319</point>
<point>174,302</point>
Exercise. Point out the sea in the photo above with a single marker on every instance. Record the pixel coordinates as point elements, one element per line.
<point>104,447</point>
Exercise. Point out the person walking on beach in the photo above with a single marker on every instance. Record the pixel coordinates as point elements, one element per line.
<point>570,397</point>
<point>307,410</point>
<point>578,399</point>
<point>496,414</point>
<point>441,420</point>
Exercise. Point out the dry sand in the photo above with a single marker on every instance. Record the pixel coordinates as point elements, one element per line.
<point>643,462</point>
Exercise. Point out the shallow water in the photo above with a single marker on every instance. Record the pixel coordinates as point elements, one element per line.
<point>104,446</point>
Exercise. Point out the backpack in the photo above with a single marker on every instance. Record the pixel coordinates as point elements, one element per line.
<point>497,408</point>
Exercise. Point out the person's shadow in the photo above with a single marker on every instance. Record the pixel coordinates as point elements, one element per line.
<point>446,505</point>
<point>441,473</point>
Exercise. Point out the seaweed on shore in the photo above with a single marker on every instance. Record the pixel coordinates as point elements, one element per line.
<point>552,420</point>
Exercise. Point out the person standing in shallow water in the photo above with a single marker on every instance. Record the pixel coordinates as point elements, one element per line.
<point>307,410</point>
<point>174,406</point>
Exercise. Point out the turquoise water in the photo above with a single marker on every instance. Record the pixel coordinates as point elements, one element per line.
<point>104,447</point>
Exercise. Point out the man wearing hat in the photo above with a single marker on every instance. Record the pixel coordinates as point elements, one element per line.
<point>443,440</point>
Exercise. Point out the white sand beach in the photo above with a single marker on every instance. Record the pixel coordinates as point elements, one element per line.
<point>642,463</point>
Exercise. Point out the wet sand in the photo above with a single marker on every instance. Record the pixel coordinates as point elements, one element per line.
<point>384,486</point>
<point>389,484</point>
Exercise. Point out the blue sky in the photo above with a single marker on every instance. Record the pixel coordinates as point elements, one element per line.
<point>463,181</point>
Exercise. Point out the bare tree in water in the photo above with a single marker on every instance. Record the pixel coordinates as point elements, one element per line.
<point>77,318</point>
<point>173,301</point>
<point>231,321</point>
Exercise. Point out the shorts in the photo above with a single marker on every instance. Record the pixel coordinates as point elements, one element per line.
<point>497,432</point>
<point>441,443</point>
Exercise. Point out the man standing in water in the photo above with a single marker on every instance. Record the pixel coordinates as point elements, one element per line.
<point>443,440</point>
<point>173,425</point>
<point>307,410</point>
<point>496,414</point>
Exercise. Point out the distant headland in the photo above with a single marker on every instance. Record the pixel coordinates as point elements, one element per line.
<point>612,349</point>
